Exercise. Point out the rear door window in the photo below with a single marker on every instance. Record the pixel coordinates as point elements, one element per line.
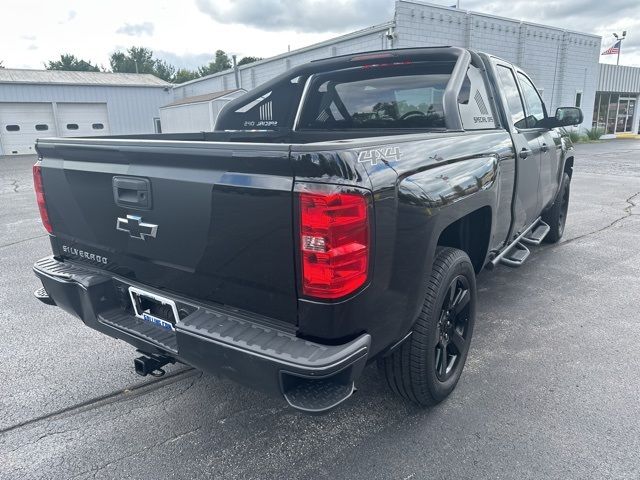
<point>512,95</point>
<point>535,107</point>
<point>396,96</point>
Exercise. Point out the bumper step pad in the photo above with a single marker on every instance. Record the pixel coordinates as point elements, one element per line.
<point>135,326</point>
<point>42,295</point>
<point>315,396</point>
<point>261,340</point>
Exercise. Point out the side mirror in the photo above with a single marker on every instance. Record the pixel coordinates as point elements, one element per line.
<point>566,117</point>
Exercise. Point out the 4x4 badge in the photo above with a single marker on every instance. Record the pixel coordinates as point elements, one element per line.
<point>385,154</point>
<point>134,226</point>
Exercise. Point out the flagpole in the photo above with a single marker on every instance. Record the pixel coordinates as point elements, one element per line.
<point>619,43</point>
<point>619,48</point>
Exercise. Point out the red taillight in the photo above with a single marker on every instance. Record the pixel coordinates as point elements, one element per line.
<point>334,243</point>
<point>42,206</point>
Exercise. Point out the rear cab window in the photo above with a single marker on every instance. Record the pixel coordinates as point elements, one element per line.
<point>387,96</point>
<point>267,109</point>
<point>474,104</point>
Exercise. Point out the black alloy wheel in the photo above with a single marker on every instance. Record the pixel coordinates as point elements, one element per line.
<point>453,341</point>
<point>556,215</point>
<point>426,367</point>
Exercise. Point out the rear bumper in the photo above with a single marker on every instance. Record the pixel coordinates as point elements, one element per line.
<point>311,376</point>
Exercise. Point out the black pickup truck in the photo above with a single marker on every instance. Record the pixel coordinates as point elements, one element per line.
<point>337,216</point>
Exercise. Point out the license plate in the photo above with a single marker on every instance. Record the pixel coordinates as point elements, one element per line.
<point>154,309</point>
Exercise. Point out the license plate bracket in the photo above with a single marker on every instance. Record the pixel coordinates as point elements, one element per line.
<point>155,309</point>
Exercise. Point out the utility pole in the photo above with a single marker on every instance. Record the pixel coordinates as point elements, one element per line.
<point>620,39</point>
<point>235,71</point>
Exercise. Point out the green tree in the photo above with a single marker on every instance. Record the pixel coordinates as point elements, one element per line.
<point>248,60</point>
<point>165,71</point>
<point>220,63</point>
<point>135,60</point>
<point>184,75</point>
<point>71,63</point>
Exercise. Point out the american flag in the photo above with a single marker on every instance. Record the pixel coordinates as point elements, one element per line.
<point>613,50</point>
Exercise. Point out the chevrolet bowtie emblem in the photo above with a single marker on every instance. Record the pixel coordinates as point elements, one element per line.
<point>134,226</point>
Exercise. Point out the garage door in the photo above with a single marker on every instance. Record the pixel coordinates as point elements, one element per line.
<point>22,123</point>
<point>83,119</point>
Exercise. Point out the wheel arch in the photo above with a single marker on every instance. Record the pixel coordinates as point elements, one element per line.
<point>568,166</point>
<point>471,234</point>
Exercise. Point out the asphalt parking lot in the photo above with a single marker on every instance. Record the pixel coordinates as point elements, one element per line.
<point>551,388</point>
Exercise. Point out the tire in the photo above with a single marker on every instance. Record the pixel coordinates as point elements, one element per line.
<point>415,370</point>
<point>556,216</point>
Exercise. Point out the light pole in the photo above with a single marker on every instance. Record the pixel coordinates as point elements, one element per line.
<point>620,39</point>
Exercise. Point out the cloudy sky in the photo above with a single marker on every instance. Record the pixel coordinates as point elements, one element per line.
<point>187,32</point>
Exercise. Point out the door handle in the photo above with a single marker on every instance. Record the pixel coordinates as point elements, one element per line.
<point>132,192</point>
<point>544,148</point>
<point>525,152</point>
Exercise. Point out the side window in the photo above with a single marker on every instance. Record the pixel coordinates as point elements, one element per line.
<point>514,101</point>
<point>535,107</point>
<point>271,108</point>
<point>473,102</point>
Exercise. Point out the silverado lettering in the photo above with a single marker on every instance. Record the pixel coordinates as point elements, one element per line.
<point>86,255</point>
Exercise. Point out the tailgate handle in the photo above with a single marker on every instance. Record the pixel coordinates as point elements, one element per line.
<point>132,192</point>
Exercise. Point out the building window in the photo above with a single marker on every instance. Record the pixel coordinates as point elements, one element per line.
<point>12,128</point>
<point>72,126</point>
<point>578,99</point>
<point>157,125</point>
<point>613,112</point>
<point>97,126</point>
<point>42,127</point>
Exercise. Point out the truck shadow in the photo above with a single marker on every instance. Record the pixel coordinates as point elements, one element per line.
<point>233,430</point>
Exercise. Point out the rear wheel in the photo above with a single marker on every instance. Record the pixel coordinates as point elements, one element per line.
<point>556,216</point>
<point>426,367</point>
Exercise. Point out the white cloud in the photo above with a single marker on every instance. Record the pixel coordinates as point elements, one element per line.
<point>299,15</point>
<point>182,33</point>
<point>136,29</point>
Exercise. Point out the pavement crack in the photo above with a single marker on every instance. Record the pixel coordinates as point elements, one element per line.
<point>41,437</point>
<point>109,398</point>
<point>628,212</point>
<point>23,240</point>
<point>173,438</point>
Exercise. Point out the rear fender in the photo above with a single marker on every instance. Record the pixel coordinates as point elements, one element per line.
<point>430,201</point>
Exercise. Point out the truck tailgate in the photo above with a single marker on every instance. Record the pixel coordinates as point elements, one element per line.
<point>223,214</point>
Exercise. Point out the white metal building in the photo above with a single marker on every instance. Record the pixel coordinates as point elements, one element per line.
<point>564,64</point>
<point>195,114</point>
<point>617,98</point>
<point>46,103</point>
